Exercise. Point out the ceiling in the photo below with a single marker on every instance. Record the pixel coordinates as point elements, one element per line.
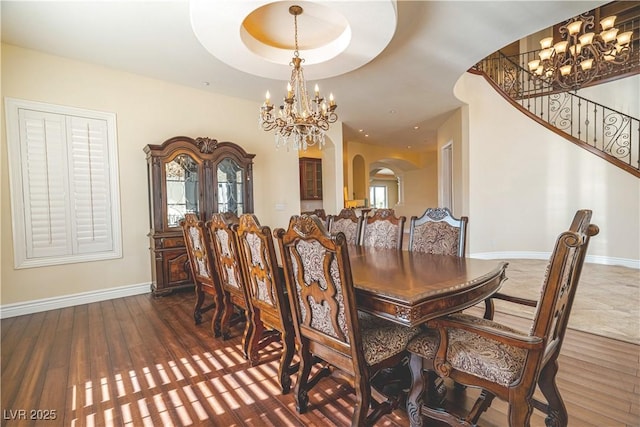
<point>397,90</point>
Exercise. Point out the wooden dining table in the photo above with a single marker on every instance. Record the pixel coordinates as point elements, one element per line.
<point>412,287</point>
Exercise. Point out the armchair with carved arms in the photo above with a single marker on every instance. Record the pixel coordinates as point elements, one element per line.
<point>502,361</point>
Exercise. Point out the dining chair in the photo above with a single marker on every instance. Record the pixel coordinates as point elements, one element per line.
<point>348,223</point>
<point>266,288</point>
<point>326,320</point>
<point>320,213</point>
<point>500,360</point>
<point>437,231</point>
<point>383,230</point>
<point>202,270</point>
<point>226,258</point>
<point>489,310</point>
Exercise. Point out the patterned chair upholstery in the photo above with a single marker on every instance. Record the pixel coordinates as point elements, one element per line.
<point>226,257</point>
<point>266,288</point>
<point>202,270</point>
<point>438,232</point>
<point>322,297</point>
<point>383,230</point>
<point>504,362</point>
<point>348,223</point>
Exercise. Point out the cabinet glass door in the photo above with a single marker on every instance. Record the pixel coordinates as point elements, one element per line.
<point>181,176</point>
<point>230,187</point>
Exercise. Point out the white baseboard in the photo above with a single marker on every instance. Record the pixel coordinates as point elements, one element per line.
<point>593,259</point>
<point>36,306</point>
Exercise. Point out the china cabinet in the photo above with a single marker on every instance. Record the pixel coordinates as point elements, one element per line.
<point>310,178</point>
<point>186,175</point>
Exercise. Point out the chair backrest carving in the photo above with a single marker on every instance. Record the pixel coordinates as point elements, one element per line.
<point>320,286</point>
<point>223,241</point>
<point>437,231</point>
<point>383,230</point>
<point>197,248</point>
<point>264,281</point>
<point>560,282</point>
<point>348,223</point>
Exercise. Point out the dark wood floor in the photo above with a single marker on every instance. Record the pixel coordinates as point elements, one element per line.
<point>140,361</point>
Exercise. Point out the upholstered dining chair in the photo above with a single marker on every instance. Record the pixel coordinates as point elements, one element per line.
<point>202,270</point>
<point>227,260</point>
<point>437,231</point>
<point>266,287</point>
<point>348,223</point>
<point>383,230</point>
<point>322,297</point>
<point>502,361</point>
<point>320,213</point>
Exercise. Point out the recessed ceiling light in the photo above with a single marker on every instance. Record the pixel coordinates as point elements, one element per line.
<point>408,146</point>
<point>205,83</point>
<point>392,111</point>
<point>366,135</point>
<point>360,130</point>
<point>416,127</point>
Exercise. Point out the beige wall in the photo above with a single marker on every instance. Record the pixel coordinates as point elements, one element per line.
<point>526,182</point>
<point>148,112</point>
<point>417,171</point>
<point>451,131</point>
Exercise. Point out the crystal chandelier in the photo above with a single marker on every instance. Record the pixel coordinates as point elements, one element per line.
<point>581,55</point>
<point>301,119</point>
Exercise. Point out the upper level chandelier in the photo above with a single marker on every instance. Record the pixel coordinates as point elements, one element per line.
<point>301,119</point>
<point>581,55</point>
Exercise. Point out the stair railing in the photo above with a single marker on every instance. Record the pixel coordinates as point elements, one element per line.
<point>608,133</point>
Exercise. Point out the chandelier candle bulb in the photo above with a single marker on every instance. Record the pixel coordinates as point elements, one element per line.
<point>546,42</point>
<point>533,65</point>
<point>609,35</point>
<point>586,39</point>
<point>561,47</point>
<point>267,99</point>
<point>574,27</point>
<point>586,64</point>
<point>608,22</point>
<point>545,54</point>
<point>624,38</point>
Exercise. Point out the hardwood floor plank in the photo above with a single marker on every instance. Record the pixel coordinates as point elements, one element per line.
<point>17,345</point>
<point>141,361</point>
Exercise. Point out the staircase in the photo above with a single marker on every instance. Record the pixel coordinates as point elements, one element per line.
<point>605,132</point>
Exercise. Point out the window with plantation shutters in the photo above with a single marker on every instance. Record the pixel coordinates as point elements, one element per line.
<point>64,184</point>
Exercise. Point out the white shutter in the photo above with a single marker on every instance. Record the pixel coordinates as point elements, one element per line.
<point>90,184</point>
<point>43,161</point>
<point>64,184</point>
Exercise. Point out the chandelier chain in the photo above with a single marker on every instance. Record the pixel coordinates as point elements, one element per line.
<point>301,120</point>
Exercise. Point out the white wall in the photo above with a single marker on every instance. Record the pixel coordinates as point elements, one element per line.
<point>526,182</point>
<point>148,112</point>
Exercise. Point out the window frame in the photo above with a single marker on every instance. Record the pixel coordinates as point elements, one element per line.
<point>75,251</point>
